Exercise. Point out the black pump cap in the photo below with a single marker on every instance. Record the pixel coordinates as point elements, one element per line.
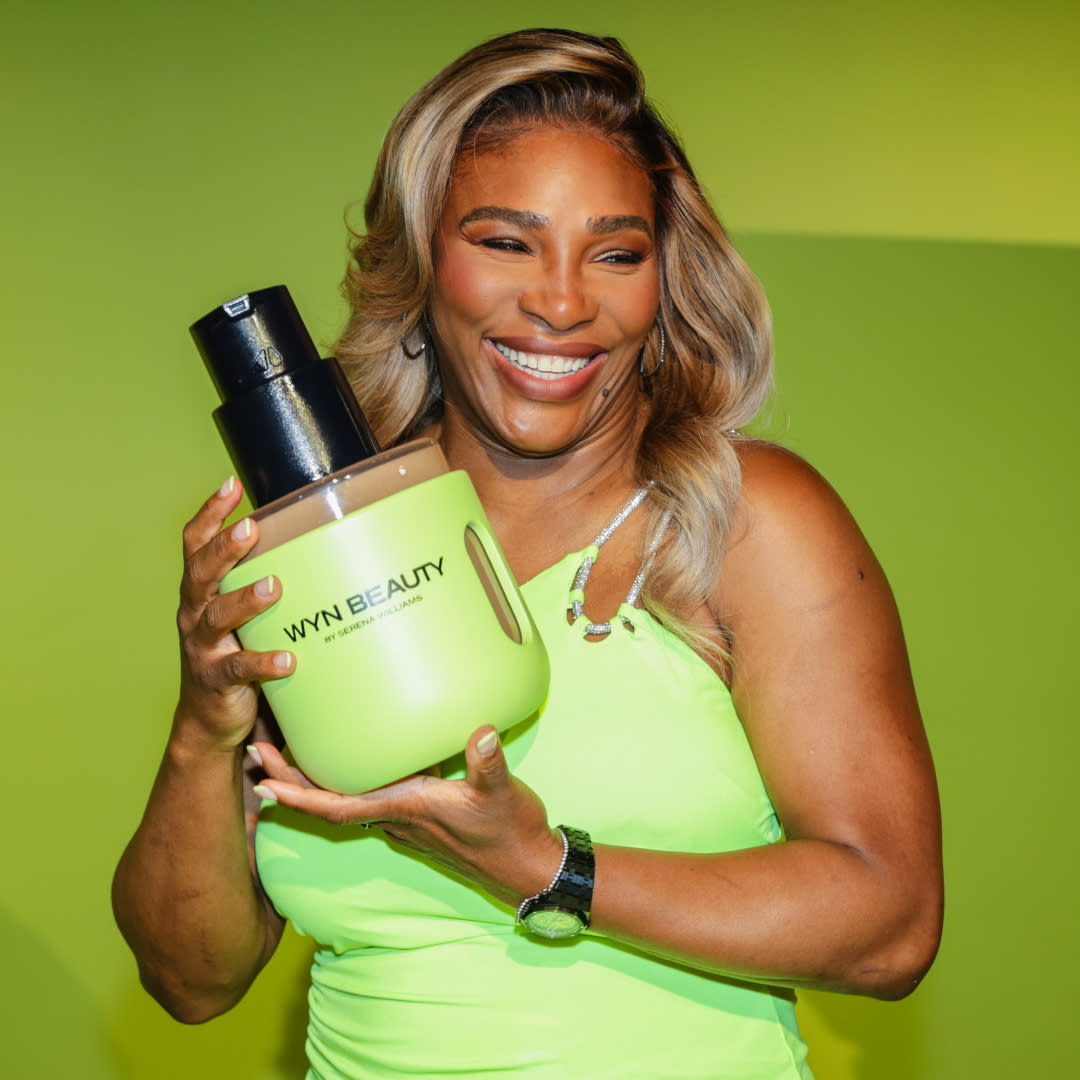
<point>287,418</point>
<point>252,339</point>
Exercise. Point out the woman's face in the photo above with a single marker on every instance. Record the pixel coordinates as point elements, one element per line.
<point>546,285</point>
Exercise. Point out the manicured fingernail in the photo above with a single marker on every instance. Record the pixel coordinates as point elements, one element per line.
<point>253,753</point>
<point>283,661</point>
<point>242,529</point>
<point>488,743</point>
<point>264,793</point>
<point>227,487</point>
<point>264,587</point>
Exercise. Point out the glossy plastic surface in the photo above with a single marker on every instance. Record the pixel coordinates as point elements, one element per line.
<point>400,651</point>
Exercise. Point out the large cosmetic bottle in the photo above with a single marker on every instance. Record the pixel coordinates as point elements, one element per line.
<point>407,625</point>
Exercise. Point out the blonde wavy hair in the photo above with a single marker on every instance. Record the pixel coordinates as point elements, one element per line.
<point>718,365</point>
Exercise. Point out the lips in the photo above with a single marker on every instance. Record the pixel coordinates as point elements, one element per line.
<point>550,366</point>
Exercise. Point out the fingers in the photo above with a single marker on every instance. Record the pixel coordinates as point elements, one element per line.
<point>207,618</point>
<point>211,516</point>
<point>289,786</point>
<point>210,551</point>
<point>485,766</point>
<point>205,614</point>
<point>225,669</point>
<point>205,567</point>
<point>221,614</point>
<point>269,758</point>
<point>421,804</point>
<point>211,653</point>
<point>400,803</point>
<point>328,805</point>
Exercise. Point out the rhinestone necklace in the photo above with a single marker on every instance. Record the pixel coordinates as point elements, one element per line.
<point>577,594</point>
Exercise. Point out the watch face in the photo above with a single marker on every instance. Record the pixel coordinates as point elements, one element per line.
<point>554,923</point>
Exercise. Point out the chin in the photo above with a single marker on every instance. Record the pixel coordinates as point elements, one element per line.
<point>533,443</point>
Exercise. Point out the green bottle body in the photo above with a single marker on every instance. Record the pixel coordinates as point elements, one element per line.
<point>407,625</point>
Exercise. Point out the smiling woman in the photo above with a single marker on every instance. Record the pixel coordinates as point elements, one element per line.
<point>731,727</point>
<point>707,347</point>
<point>546,285</point>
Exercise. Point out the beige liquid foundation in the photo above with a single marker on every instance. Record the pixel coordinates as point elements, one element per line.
<point>408,627</point>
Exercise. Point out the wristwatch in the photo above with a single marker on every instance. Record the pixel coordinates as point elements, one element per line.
<point>562,909</point>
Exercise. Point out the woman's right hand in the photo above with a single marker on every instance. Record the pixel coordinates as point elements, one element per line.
<point>219,680</point>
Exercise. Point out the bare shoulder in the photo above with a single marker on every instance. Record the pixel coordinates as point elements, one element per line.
<point>768,465</point>
<point>792,536</point>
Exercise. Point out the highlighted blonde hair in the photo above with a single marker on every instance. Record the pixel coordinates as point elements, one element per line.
<point>718,364</point>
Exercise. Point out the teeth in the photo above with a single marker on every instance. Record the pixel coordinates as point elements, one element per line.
<point>542,366</point>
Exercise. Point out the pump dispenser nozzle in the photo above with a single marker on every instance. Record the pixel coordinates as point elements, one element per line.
<point>287,418</point>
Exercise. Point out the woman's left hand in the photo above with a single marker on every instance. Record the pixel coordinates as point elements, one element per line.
<point>488,827</point>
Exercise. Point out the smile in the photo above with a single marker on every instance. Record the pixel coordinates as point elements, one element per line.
<point>544,366</point>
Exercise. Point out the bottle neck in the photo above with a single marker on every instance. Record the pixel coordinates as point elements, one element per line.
<point>346,491</point>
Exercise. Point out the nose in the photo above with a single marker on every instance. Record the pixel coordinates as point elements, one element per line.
<point>559,297</point>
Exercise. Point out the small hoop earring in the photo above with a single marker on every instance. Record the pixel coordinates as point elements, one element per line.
<point>646,375</point>
<point>423,343</point>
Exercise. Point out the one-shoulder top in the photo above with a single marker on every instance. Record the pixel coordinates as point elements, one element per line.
<point>419,973</point>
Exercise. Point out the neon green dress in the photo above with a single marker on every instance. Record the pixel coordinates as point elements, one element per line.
<point>418,973</point>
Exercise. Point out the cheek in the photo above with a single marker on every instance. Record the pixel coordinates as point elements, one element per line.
<point>639,308</point>
<point>462,289</point>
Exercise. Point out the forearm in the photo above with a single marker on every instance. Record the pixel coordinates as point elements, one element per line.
<point>184,894</point>
<point>862,917</point>
<point>804,913</point>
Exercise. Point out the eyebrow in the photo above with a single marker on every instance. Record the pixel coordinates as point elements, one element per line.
<point>527,219</point>
<point>617,222</point>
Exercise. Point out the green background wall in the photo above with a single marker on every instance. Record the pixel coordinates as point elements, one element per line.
<point>903,179</point>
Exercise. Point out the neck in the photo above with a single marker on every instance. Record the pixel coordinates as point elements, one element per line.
<point>576,490</point>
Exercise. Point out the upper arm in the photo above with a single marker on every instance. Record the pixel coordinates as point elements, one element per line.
<point>820,672</point>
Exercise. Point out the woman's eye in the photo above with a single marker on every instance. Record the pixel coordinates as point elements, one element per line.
<point>623,258</point>
<point>502,243</point>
